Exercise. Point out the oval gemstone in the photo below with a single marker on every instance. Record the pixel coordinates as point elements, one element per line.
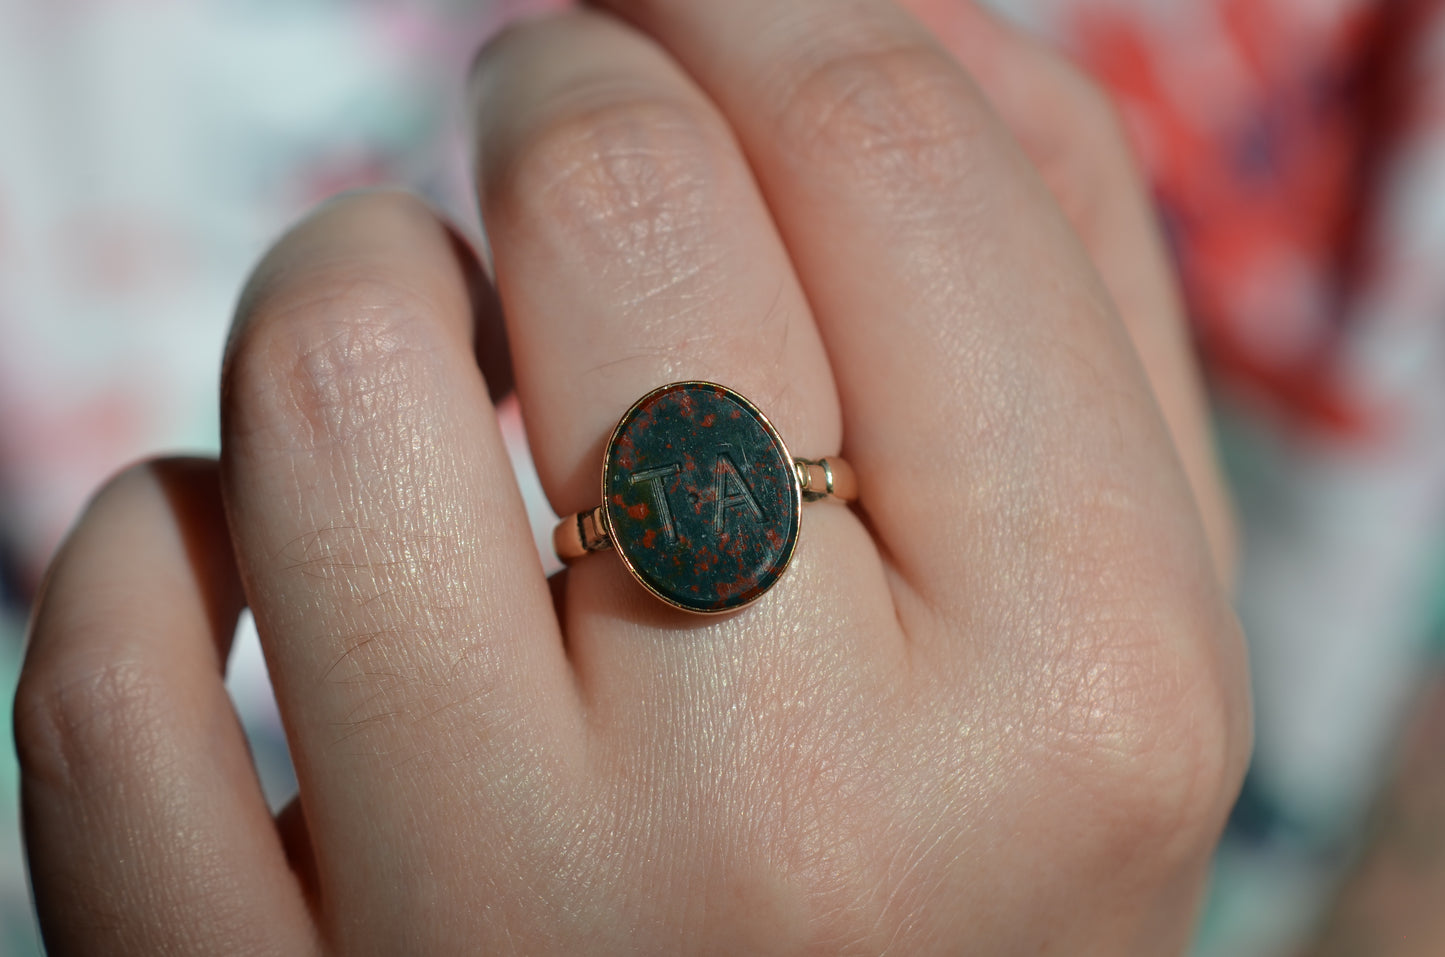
<point>701,496</point>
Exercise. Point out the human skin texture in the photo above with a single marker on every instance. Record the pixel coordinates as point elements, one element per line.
<point>997,706</point>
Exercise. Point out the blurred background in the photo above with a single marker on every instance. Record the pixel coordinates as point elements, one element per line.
<point>149,151</point>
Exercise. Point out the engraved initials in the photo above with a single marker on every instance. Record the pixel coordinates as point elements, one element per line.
<point>654,477</point>
<point>732,492</point>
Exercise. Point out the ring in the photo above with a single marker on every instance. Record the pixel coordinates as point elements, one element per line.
<point>701,498</point>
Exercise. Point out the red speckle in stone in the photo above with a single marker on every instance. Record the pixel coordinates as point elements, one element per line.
<point>774,539</point>
<point>617,499</point>
<point>727,590</point>
<point>626,451</point>
<point>705,560</point>
<point>708,420</point>
<point>649,537</point>
<point>638,511</point>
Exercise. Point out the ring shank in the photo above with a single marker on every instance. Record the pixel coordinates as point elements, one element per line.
<point>582,533</point>
<point>826,478</point>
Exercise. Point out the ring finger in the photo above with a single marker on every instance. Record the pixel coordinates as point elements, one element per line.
<point>632,249</point>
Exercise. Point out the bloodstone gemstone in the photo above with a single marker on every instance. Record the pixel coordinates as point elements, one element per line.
<point>701,496</point>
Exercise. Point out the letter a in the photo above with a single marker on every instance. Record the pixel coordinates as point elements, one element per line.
<point>732,492</point>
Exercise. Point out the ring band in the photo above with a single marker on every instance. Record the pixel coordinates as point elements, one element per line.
<point>701,498</point>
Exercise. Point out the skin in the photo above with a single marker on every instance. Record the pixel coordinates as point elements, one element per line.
<point>1000,706</point>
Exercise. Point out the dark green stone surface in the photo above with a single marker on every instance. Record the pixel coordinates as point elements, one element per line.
<point>702,500</point>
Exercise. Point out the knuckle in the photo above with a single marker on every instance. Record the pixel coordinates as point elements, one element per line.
<point>1159,751</point>
<point>626,174</point>
<point>891,119</point>
<point>77,723</point>
<point>347,354</point>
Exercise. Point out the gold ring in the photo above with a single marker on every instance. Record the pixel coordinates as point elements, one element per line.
<point>701,498</point>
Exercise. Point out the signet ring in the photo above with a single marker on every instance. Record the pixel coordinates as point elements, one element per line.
<point>701,498</point>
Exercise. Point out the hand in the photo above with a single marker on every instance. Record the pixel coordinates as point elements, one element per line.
<point>1000,706</point>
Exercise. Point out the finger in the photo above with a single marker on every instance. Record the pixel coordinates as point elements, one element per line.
<point>387,556</point>
<point>145,824</point>
<point>991,396</point>
<point>632,249</point>
<point>624,224</point>
<point>1072,133</point>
